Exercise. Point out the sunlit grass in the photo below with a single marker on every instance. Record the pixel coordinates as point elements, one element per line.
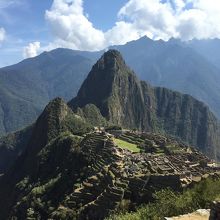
<point>126,145</point>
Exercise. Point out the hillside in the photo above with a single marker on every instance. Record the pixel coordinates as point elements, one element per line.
<point>11,146</point>
<point>209,48</point>
<point>56,119</point>
<point>124,100</point>
<point>28,86</point>
<point>65,168</point>
<point>68,176</point>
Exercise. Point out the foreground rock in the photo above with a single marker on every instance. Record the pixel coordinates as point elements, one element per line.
<point>201,214</point>
<point>215,211</point>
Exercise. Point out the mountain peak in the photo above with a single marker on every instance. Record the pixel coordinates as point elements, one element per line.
<point>49,124</point>
<point>111,60</point>
<point>107,75</point>
<point>112,87</point>
<point>113,53</point>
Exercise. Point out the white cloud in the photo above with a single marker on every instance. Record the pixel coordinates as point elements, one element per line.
<point>72,28</point>
<point>185,19</point>
<point>121,33</point>
<point>8,3</point>
<point>2,35</point>
<point>31,50</point>
<point>150,16</point>
<point>179,5</point>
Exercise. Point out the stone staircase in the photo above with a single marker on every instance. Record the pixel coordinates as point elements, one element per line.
<point>103,189</point>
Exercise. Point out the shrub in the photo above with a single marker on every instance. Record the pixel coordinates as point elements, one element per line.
<point>169,203</point>
<point>113,128</point>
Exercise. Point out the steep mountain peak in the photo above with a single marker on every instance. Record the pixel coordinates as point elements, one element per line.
<point>112,54</point>
<point>49,124</point>
<point>112,61</point>
<point>143,40</point>
<point>57,107</point>
<point>57,117</point>
<point>112,87</point>
<point>108,74</point>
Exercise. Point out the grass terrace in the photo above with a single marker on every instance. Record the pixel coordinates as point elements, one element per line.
<point>126,145</point>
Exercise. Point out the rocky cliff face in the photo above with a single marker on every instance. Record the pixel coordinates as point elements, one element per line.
<point>115,90</point>
<point>187,118</point>
<point>124,100</point>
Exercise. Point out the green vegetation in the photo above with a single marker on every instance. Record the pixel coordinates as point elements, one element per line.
<point>11,146</point>
<point>174,149</point>
<point>169,203</point>
<point>27,87</point>
<point>92,115</point>
<point>76,125</point>
<point>146,108</point>
<point>59,163</point>
<point>126,145</point>
<point>113,128</point>
<point>131,138</point>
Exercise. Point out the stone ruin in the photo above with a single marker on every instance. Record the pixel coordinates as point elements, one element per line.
<point>114,174</point>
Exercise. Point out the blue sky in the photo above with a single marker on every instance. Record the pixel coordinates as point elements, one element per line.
<point>103,14</point>
<point>28,27</point>
<point>24,22</point>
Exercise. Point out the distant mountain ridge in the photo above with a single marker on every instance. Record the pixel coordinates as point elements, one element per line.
<point>188,67</point>
<point>209,48</point>
<point>28,86</point>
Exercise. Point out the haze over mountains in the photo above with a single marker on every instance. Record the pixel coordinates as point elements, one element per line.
<point>190,67</point>
<point>181,66</point>
<point>28,86</point>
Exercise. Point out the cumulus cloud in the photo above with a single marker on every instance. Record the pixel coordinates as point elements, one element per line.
<point>72,28</point>
<point>2,35</point>
<point>150,16</point>
<point>31,50</point>
<point>185,19</point>
<point>7,3</point>
<point>201,21</point>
